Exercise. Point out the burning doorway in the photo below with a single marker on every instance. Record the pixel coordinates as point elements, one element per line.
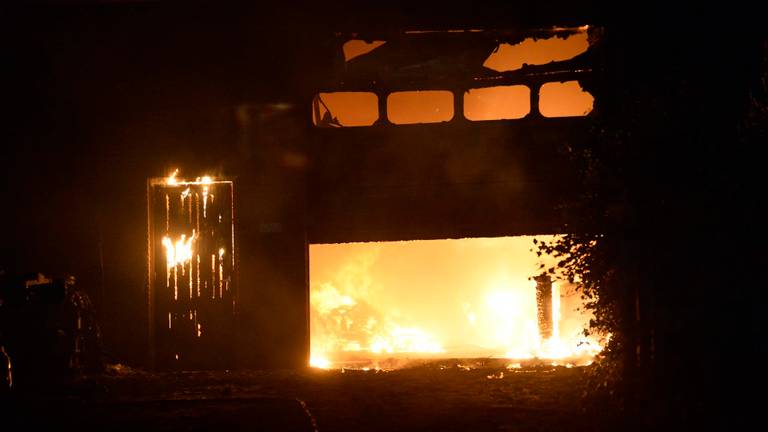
<point>383,304</point>
<point>191,252</point>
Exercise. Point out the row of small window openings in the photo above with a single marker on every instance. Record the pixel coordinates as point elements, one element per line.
<point>556,99</point>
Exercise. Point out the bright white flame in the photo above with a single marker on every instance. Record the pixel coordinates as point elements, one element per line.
<point>319,362</point>
<point>205,201</point>
<point>328,298</point>
<point>509,320</point>
<point>555,311</point>
<point>376,303</point>
<point>500,375</point>
<point>408,340</point>
<point>179,252</point>
<point>171,180</point>
<point>205,181</point>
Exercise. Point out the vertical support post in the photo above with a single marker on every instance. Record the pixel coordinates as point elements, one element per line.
<point>381,96</point>
<point>535,112</point>
<point>151,360</point>
<point>544,305</point>
<point>458,105</point>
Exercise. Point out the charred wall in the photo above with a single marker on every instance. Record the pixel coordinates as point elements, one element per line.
<point>440,181</point>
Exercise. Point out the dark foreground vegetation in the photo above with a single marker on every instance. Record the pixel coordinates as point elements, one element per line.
<point>667,239</point>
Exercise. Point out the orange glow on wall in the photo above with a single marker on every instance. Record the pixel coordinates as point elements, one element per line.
<point>345,109</point>
<point>497,103</point>
<point>427,106</point>
<point>564,99</point>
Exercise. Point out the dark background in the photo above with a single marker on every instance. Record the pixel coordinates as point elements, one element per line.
<point>101,96</point>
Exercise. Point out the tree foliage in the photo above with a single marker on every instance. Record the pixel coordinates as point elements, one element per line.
<point>662,235</point>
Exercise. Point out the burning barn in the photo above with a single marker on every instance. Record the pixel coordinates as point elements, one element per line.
<point>224,179</point>
<point>412,138</point>
<point>268,186</point>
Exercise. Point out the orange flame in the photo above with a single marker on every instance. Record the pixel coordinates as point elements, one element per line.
<point>360,314</point>
<point>171,180</point>
<point>179,252</point>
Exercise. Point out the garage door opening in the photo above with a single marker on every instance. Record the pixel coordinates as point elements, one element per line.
<point>389,304</point>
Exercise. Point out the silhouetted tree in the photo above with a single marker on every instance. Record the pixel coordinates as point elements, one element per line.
<point>665,240</point>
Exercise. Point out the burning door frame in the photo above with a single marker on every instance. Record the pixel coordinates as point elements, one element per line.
<point>192,291</point>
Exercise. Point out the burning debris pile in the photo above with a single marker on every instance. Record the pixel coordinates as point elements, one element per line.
<point>353,325</point>
<point>375,304</point>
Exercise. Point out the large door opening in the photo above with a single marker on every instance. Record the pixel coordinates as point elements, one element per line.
<point>386,304</point>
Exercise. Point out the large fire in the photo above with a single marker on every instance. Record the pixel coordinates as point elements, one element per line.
<point>379,304</point>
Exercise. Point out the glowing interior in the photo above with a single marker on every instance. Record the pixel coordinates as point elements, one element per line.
<point>564,99</point>
<point>380,304</point>
<point>533,51</point>
<point>426,106</point>
<point>497,103</point>
<point>345,109</point>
